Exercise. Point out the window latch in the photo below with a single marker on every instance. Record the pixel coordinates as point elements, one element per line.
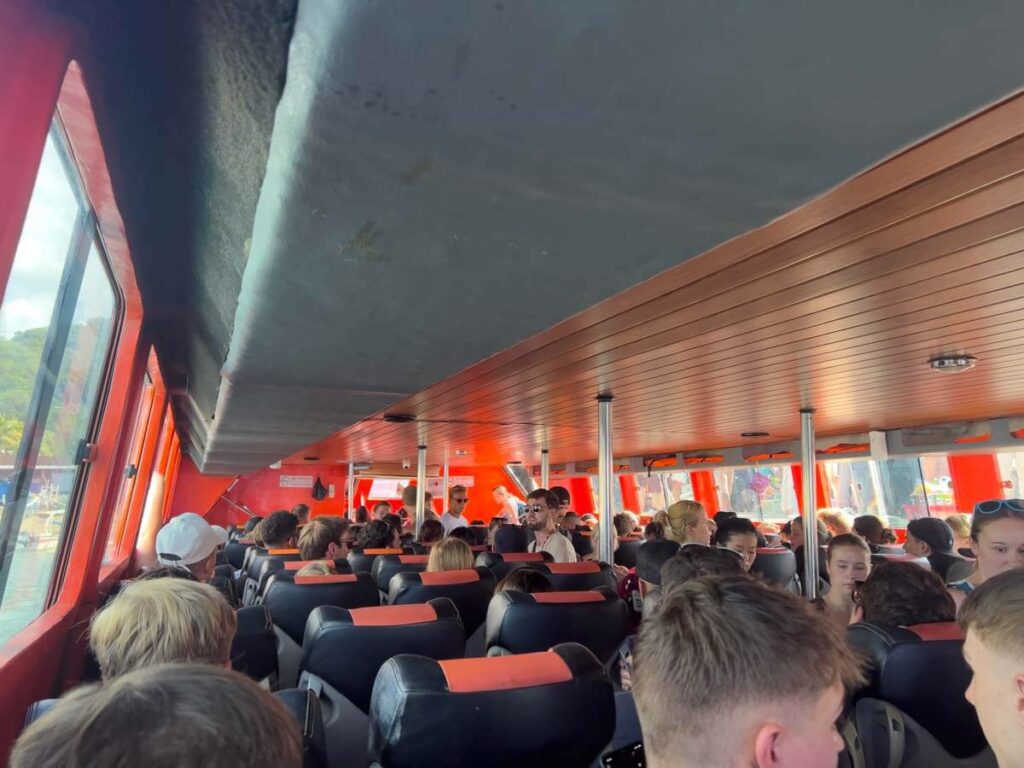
<point>86,453</point>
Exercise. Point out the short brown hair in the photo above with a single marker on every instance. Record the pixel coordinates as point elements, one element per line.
<point>171,714</point>
<point>456,489</point>
<point>316,537</point>
<point>904,594</point>
<point>716,644</point>
<point>408,496</point>
<point>450,555</point>
<point>159,621</point>
<point>995,611</point>
<point>846,540</point>
<point>694,561</point>
<point>543,494</point>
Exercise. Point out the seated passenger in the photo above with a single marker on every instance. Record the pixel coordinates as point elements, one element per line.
<point>836,521</point>
<point>796,534</point>
<point>902,595</point>
<point>247,530</point>
<point>694,562</point>
<point>321,540</point>
<point>567,525</point>
<point>931,538</point>
<point>745,698</point>
<point>450,554</point>
<point>188,541</point>
<point>651,556</point>
<point>164,715</point>
<point>280,530</point>
<point>738,535</point>
<point>848,563</point>
<point>654,531</point>
<point>992,619</point>
<point>543,508</point>
<point>871,528</point>
<point>524,580</point>
<point>688,524</point>
<point>510,538</point>
<point>396,527</point>
<point>721,516</point>
<point>301,512</point>
<point>997,538</point>
<point>361,515</point>
<point>383,508</point>
<point>318,568</point>
<point>430,531</point>
<point>625,523</point>
<point>772,535</point>
<point>376,534</point>
<point>157,621</point>
<point>961,527</point>
<point>464,534</point>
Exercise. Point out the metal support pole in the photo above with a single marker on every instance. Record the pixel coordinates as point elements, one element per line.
<point>421,487</point>
<point>605,477</point>
<point>545,468</point>
<point>445,484</point>
<point>810,517</point>
<point>350,490</point>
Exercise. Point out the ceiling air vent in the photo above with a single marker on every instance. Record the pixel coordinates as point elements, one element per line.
<point>399,418</point>
<point>952,363</point>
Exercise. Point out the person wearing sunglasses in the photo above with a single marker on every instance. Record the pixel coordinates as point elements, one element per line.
<point>458,498</point>
<point>997,538</point>
<point>541,516</point>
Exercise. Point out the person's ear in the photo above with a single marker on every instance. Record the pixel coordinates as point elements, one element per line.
<point>333,552</point>
<point>766,746</point>
<point>1019,680</point>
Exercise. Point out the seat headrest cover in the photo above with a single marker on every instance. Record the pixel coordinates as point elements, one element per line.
<point>282,551</point>
<point>393,615</point>
<point>769,551</point>
<point>586,566</point>
<point>373,551</point>
<point>937,630</point>
<point>339,578</point>
<point>437,578</point>
<point>523,557</point>
<point>630,538</point>
<point>298,565</point>
<point>503,672</point>
<point>568,597</point>
<point>414,559</point>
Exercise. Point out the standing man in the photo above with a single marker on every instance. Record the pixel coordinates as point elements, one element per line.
<point>564,502</point>
<point>542,510</point>
<point>510,507</point>
<point>458,498</point>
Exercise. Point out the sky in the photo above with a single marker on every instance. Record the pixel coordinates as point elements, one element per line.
<point>42,251</point>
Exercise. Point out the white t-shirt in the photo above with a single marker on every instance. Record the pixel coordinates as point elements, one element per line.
<point>450,522</point>
<point>559,547</point>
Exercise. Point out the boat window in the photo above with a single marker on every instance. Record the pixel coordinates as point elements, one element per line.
<point>56,326</point>
<point>760,493</point>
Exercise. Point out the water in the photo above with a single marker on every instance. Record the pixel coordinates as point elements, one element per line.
<point>25,594</point>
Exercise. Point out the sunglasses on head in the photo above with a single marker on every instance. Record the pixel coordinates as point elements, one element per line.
<point>998,505</point>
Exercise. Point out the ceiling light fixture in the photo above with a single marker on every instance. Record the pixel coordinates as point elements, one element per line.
<point>399,418</point>
<point>952,363</point>
<point>461,452</point>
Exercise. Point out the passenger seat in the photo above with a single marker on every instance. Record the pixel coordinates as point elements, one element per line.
<point>471,591</point>
<point>541,710</point>
<point>502,564</point>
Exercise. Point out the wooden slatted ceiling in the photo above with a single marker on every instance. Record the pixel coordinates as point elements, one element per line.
<point>836,305</point>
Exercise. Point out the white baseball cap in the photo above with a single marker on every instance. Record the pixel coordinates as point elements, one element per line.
<point>188,539</point>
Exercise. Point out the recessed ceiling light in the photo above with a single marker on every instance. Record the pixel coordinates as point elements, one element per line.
<point>952,363</point>
<point>461,452</point>
<point>755,434</point>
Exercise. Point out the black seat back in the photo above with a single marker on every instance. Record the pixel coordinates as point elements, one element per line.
<point>525,623</point>
<point>346,648</point>
<point>234,553</point>
<point>255,567</point>
<point>254,647</point>
<point>625,555</point>
<point>290,599</point>
<point>272,565</point>
<point>386,566</point>
<point>508,710</point>
<point>363,559</point>
<point>921,670</point>
<point>586,574</point>
<point>304,706</point>
<point>500,564</point>
<point>944,563</point>
<point>777,565</point>
<point>899,557</point>
<point>470,590</point>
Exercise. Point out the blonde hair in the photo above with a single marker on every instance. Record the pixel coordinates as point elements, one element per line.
<point>682,515</point>
<point>995,613</point>
<point>162,620</point>
<point>450,555</point>
<point>319,568</point>
<point>694,656</point>
<point>961,525</point>
<point>316,537</point>
<point>836,520</point>
<point>170,714</point>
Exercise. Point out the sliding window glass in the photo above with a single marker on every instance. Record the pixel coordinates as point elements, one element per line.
<point>57,322</point>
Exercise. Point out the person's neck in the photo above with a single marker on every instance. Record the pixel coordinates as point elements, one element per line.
<point>543,535</point>
<point>454,513</point>
<point>839,600</point>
